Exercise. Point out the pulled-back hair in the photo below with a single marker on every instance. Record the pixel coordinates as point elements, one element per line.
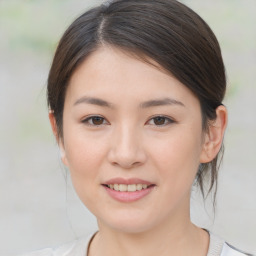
<point>166,31</point>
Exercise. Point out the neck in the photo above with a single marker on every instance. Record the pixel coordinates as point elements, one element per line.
<point>172,238</point>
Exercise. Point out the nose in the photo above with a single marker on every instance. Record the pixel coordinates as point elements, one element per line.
<point>126,149</point>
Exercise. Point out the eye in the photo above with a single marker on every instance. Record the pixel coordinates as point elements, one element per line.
<point>160,121</point>
<point>95,121</point>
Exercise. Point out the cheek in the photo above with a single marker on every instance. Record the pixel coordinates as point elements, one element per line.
<point>81,156</point>
<point>84,154</point>
<point>177,156</point>
<point>177,161</point>
<point>84,157</point>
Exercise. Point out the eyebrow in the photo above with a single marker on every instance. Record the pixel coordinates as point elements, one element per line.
<point>161,102</point>
<point>93,101</point>
<point>146,104</point>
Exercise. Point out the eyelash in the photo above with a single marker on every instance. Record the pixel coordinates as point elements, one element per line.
<point>90,118</point>
<point>89,121</point>
<point>167,120</point>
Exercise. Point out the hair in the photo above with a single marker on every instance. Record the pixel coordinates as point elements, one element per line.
<point>165,31</point>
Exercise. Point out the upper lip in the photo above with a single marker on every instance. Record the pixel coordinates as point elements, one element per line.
<point>129,181</point>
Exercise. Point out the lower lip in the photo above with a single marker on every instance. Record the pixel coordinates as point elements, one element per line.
<point>128,196</point>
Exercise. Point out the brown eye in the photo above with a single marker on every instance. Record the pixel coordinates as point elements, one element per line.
<point>160,121</point>
<point>95,121</point>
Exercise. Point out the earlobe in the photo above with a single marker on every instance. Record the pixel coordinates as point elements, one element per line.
<point>59,141</point>
<point>63,155</point>
<point>214,136</point>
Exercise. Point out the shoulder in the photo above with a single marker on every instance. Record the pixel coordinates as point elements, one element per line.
<point>229,250</point>
<point>218,247</point>
<point>76,248</point>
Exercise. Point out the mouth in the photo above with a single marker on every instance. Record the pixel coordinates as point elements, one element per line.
<point>128,190</point>
<point>128,187</point>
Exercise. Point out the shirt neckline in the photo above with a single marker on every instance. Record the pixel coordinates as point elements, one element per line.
<point>215,244</point>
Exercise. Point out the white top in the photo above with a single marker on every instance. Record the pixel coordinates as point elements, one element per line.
<point>217,247</point>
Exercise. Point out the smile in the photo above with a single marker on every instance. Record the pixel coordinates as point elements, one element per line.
<point>127,188</point>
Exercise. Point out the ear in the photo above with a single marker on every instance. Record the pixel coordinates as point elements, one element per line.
<point>53,124</point>
<point>58,139</point>
<point>214,136</point>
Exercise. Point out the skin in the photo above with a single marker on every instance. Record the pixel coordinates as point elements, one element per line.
<point>126,141</point>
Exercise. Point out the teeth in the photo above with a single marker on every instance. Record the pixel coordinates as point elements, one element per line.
<point>116,187</point>
<point>123,187</point>
<point>132,188</point>
<point>129,188</point>
<point>139,186</point>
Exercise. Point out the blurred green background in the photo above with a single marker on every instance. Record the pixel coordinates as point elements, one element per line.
<point>38,205</point>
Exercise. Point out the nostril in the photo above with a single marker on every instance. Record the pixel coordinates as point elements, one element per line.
<point>127,165</point>
<point>126,156</point>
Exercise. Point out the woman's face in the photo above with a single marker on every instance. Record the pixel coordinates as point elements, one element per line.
<point>129,125</point>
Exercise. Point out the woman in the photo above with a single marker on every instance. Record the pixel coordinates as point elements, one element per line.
<point>135,94</point>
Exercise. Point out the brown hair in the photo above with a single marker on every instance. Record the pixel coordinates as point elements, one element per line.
<point>166,31</point>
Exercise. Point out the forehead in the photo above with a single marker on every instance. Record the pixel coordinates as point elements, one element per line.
<point>113,73</point>
<point>109,60</point>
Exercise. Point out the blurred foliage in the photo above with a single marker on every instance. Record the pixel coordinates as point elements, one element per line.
<point>33,25</point>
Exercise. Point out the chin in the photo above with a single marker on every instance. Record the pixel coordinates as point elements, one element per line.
<point>127,222</point>
<point>131,227</point>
